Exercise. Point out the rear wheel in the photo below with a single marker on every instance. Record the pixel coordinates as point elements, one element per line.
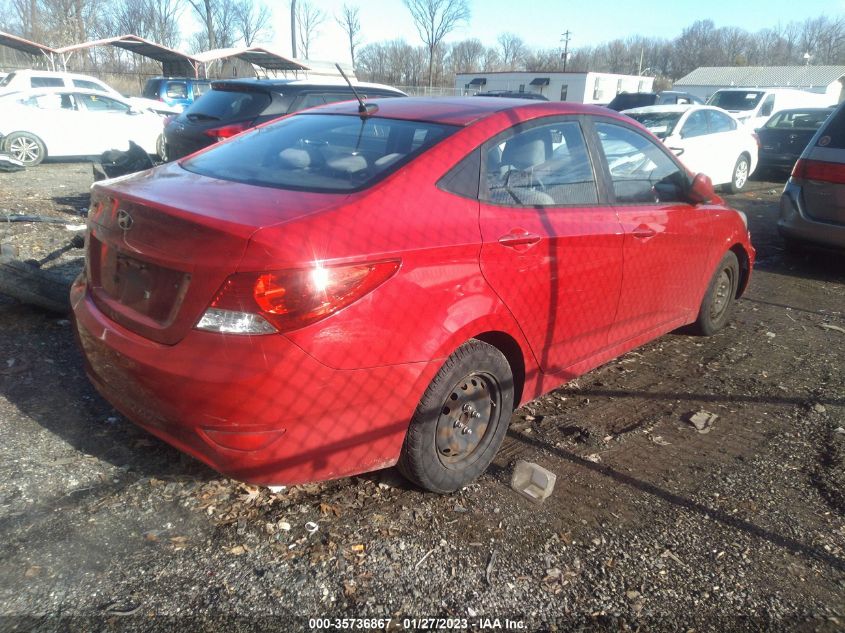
<point>718,301</point>
<point>461,420</point>
<point>26,147</point>
<point>741,172</point>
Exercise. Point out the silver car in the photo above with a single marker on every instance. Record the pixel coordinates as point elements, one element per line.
<point>812,207</point>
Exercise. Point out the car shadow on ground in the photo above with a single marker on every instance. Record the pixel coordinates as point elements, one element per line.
<point>723,518</point>
<point>51,389</point>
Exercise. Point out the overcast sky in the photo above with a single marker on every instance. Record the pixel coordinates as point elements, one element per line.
<point>541,22</point>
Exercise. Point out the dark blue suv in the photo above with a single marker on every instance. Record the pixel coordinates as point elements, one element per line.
<point>176,91</point>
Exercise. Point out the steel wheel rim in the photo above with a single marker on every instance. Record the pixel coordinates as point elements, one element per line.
<point>464,423</point>
<point>722,293</point>
<point>741,174</point>
<point>24,149</point>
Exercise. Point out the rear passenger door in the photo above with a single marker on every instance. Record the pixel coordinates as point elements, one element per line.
<point>550,250</point>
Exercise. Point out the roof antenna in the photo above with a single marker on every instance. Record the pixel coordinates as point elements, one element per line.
<point>363,109</point>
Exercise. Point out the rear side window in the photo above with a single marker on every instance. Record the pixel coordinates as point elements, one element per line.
<point>319,152</point>
<point>200,88</point>
<point>87,85</point>
<point>547,165</point>
<point>720,122</point>
<point>151,89</point>
<point>833,134</point>
<point>46,82</point>
<point>230,105</point>
<point>100,103</point>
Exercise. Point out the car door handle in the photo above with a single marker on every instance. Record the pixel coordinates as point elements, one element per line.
<point>519,237</point>
<point>643,232</point>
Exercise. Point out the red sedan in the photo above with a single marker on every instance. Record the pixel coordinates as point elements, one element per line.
<point>338,292</point>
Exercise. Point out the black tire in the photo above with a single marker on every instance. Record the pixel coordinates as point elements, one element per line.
<point>29,284</point>
<point>740,175</point>
<point>473,390</point>
<point>26,147</point>
<point>719,299</point>
<point>161,148</point>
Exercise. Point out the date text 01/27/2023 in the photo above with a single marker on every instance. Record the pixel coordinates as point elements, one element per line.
<point>417,624</point>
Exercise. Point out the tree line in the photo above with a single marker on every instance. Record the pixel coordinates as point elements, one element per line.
<point>433,60</point>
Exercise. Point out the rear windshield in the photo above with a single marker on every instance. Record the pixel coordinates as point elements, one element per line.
<point>319,152</point>
<point>833,134</point>
<point>736,99</point>
<point>660,124</point>
<point>628,101</point>
<point>229,105</point>
<point>798,119</point>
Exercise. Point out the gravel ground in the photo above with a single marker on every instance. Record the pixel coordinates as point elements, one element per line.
<point>652,525</point>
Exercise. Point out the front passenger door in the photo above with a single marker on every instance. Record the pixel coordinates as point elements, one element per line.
<point>666,239</point>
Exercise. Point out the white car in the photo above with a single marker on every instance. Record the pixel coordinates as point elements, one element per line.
<point>706,139</point>
<point>19,80</point>
<point>55,122</point>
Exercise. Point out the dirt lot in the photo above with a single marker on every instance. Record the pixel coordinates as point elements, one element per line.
<point>652,525</point>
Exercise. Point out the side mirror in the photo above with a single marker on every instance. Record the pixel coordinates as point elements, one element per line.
<point>701,190</point>
<point>132,111</point>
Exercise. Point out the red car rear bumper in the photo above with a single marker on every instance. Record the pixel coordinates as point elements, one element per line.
<point>257,408</point>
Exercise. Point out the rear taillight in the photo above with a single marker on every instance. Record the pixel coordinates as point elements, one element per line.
<point>278,301</point>
<point>819,170</point>
<point>226,131</point>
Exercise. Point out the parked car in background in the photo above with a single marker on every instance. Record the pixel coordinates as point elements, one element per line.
<point>753,106</point>
<point>630,100</point>
<point>785,136</point>
<point>513,94</point>
<point>812,206</point>
<point>706,139</point>
<point>232,106</point>
<point>27,79</point>
<point>178,92</point>
<point>335,293</point>
<point>35,124</point>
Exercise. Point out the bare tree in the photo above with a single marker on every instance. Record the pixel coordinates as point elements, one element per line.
<point>251,20</point>
<point>308,20</point>
<point>513,51</point>
<point>434,20</point>
<point>467,56</point>
<point>205,12</point>
<point>351,25</point>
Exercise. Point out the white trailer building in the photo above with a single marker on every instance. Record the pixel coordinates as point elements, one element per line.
<point>597,88</point>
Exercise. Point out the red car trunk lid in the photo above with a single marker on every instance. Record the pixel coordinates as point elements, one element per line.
<point>159,249</point>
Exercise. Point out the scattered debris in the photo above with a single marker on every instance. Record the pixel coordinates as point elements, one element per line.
<point>658,439</point>
<point>532,481</point>
<point>489,569</point>
<point>819,408</point>
<point>593,457</point>
<point>835,328</point>
<point>771,334</point>
<point>10,164</point>
<point>702,420</point>
<point>311,527</point>
<point>422,560</point>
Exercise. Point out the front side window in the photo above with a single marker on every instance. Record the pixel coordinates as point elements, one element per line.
<point>319,152</point>
<point>768,106</point>
<point>547,165</point>
<point>641,172</point>
<point>100,103</point>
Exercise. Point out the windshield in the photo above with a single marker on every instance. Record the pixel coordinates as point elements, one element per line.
<point>660,124</point>
<point>735,99</point>
<point>319,152</point>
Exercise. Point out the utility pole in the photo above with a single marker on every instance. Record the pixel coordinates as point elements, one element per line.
<point>293,28</point>
<point>565,41</point>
